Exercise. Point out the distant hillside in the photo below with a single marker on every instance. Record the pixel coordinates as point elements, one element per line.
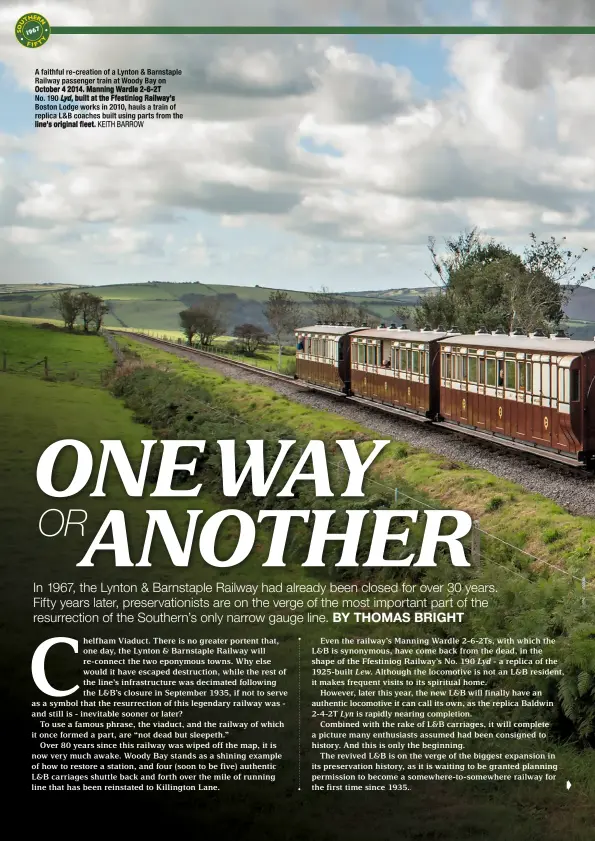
<point>156,306</point>
<point>400,297</point>
<point>582,304</point>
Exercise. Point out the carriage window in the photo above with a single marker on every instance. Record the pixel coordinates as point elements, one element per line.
<point>522,373</point>
<point>395,359</point>
<point>575,385</point>
<point>456,366</point>
<point>386,354</point>
<point>490,372</point>
<point>482,371</point>
<point>500,368</point>
<point>463,368</point>
<point>427,363</point>
<point>528,370</point>
<point>371,355</point>
<point>554,370</point>
<point>563,385</point>
<point>415,361</point>
<point>403,360</point>
<point>510,374</point>
<point>361,354</point>
<point>472,369</point>
<point>545,380</point>
<point>536,378</point>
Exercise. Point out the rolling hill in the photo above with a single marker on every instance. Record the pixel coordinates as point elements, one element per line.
<point>156,306</point>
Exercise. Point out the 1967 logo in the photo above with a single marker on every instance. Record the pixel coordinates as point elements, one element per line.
<point>32,30</point>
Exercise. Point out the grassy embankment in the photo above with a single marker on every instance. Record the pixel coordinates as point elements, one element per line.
<point>267,357</point>
<point>41,412</point>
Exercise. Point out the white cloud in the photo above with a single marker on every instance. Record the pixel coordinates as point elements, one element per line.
<point>320,143</point>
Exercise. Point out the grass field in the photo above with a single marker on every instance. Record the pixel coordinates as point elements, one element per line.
<point>71,357</point>
<point>41,412</point>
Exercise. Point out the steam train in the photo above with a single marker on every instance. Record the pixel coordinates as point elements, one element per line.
<point>528,392</point>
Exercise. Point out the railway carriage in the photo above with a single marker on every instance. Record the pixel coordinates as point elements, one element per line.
<point>397,367</point>
<point>535,390</point>
<point>322,356</point>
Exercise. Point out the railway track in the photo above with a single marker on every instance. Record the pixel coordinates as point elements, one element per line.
<point>550,475</point>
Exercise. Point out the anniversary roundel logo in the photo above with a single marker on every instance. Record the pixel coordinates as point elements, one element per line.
<point>32,30</point>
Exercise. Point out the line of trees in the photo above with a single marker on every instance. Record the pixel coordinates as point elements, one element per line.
<point>335,308</point>
<point>479,283</point>
<point>72,305</point>
<point>207,320</point>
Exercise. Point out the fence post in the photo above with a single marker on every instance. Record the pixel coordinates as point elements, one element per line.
<point>46,369</point>
<point>475,544</point>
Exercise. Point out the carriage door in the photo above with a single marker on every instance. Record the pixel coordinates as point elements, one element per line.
<point>462,377</point>
<point>500,415</point>
<point>549,374</point>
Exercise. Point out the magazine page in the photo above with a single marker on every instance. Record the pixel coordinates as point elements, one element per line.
<point>297,418</point>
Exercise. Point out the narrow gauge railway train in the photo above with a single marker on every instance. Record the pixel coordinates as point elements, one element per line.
<point>530,392</point>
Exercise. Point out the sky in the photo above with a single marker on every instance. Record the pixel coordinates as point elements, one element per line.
<point>301,161</point>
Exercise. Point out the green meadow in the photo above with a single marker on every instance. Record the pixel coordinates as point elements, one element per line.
<point>72,357</point>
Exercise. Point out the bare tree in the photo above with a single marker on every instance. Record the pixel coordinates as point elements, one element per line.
<point>188,324</point>
<point>250,337</point>
<point>283,315</point>
<point>204,320</point>
<point>86,305</point>
<point>68,304</point>
<point>92,310</point>
<point>99,309</point>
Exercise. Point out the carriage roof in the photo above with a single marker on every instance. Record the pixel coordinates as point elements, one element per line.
<point>397,334</point>
<point>538,344</point>
<point>327,329</point>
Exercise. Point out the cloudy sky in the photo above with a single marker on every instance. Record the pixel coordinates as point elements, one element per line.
<point>301,161</point>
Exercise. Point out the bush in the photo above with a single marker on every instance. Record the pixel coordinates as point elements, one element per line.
<point>494,503</point>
